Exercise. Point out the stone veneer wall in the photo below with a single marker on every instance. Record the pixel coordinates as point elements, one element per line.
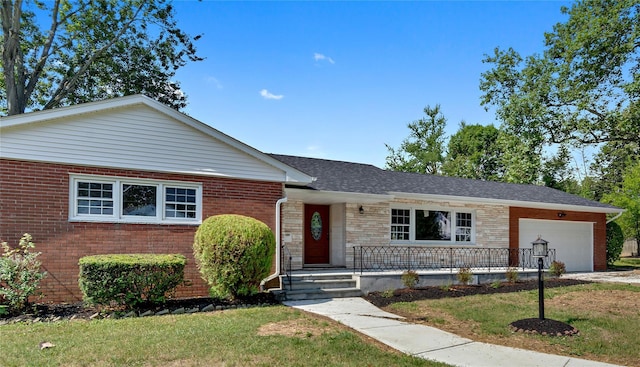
<point>492,221</point>
<point>292,222</point>
<point>372,227</point>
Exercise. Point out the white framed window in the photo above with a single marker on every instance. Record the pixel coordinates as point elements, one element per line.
<point>432,226</point>
<point>133,200</point>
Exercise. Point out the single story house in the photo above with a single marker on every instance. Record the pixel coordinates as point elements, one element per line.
<point>351,207</point>
<point>125,175</point>
<point>130,175</point>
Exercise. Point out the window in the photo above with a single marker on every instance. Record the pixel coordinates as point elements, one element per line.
<point>432,226</point>
<point>400,220</point>
<point>105,199</point>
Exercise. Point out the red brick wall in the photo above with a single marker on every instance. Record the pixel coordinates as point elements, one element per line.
<point>34,198</point>
<point>599,221</point>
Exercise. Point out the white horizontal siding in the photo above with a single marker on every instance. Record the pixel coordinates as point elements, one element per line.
<point>136,137</point>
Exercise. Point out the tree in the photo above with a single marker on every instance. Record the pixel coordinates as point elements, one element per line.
<point>610,164</point>
<point>627,196</point>
<point>585,87</point>
<point>520,160</point>
<point>89,50</point>
<point>423,150</point>
<point>473,152</point>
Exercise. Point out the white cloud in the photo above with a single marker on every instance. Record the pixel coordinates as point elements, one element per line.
<point>267,95</point>
<point>214,81</point>
<point>320,57</point>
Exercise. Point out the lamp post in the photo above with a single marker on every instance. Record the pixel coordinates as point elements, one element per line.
<point>540,250</point>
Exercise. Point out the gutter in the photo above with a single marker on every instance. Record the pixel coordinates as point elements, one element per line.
<point>616,217</point>
<point>278,245</point>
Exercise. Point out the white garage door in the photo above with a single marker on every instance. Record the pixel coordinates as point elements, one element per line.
<point>573,241</point>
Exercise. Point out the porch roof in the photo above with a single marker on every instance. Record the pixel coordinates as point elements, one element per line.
<point>338,176</point>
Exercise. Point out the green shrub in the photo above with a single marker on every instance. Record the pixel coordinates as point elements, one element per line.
<point>496,284</point>
<point>464,275</point>
<point>410,278</point>
<point>557,268</point>
<point>131,280</point>
<point>20,273</point>
<point>615,242</point>
<point>512,275</point>
<point>234,253</point>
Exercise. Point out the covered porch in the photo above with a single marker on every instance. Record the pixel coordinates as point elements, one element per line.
<point>380,268</point>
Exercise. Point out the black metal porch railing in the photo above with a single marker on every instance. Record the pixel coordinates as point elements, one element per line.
<point>285,262</point>
<point>393,257</point>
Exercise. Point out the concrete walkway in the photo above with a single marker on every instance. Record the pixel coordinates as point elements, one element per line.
<point>427,342</point>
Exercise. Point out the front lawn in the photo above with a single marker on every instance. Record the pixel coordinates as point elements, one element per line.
<point>627,263</point>
<point>607,316</point>
<point>265,336</point>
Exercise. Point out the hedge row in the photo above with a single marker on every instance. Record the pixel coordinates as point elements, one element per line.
<point>130,279</point>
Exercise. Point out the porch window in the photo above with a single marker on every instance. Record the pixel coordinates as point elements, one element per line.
<point>105,199</point>
<point>422,225</point>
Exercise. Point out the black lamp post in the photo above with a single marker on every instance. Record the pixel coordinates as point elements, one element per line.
<point>540,250</point>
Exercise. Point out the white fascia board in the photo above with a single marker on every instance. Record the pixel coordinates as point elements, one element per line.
<point>290,174</point>
<point>519,203</point>
<point>330,197</point>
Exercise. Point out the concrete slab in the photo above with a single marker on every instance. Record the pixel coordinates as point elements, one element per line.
<point>428,342</point>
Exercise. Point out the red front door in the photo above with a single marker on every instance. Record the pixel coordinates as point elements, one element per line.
<point>316,234</point>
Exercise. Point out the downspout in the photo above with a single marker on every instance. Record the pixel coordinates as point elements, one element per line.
<point>616,217</point>
<point>278,245</point>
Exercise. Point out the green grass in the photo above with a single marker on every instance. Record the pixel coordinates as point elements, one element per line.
<point>627,263</point>
<point>229,338</point>
<point>607,333</point>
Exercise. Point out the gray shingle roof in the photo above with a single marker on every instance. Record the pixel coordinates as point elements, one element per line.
<point>368,179</point>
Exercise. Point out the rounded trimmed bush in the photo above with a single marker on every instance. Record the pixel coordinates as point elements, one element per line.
<point>615,242</point>
<point>233,254</point>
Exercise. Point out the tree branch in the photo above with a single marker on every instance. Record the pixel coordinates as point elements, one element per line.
<point>67,84</point>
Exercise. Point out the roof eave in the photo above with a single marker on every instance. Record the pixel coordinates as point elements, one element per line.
<point>519,203</point>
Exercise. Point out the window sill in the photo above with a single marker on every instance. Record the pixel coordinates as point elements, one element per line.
<point>116,221</point>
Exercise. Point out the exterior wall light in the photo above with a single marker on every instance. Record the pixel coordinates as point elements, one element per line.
<point>361,209</point>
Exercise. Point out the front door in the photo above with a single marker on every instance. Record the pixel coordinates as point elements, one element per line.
<point>316,234</point>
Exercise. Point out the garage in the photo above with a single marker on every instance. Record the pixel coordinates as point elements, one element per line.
<point>573,241</point>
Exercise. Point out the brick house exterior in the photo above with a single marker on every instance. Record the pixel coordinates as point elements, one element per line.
<point>34,199</point>
<point>129,175</point>
<point>38,185</point>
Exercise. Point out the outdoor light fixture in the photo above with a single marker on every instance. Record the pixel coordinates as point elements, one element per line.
<point>540,249</point>
<point>361,210</point>
<point>562,214</point>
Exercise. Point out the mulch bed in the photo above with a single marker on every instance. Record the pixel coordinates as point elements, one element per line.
<point>45,312</point>
<point>543,327</point>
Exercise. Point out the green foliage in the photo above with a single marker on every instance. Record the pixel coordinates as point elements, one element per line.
<point>131,280</point>
<point>410,278</point>
<point>388,293</point>
<point>512,275</point>
<point>496,284</point>
<point>557,269</point>
<point>584,89</point>
<point>627,196</point>
<point>473,152</point>
<point>62,53</point>
<point>423,150</point>
<point>464,275</point>
<point>20,273</point>
<point>234,253</point>
<point>615,242</point>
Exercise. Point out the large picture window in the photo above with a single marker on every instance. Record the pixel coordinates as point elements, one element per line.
<point>432,226</point>
<point>105,199</point>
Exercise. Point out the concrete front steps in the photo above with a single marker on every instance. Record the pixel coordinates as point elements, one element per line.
<point>319,286</point>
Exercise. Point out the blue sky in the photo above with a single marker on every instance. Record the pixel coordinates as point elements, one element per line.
<point>339,80</point>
